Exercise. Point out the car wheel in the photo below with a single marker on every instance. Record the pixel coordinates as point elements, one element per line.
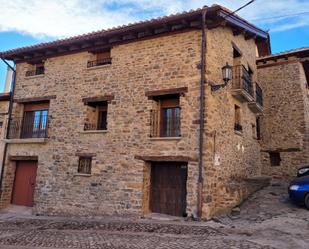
<point>307,201</point>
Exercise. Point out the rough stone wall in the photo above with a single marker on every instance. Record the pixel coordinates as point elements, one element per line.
<point>119,183</point>
<point>116,183</point>
<point>4,105</point>
<point>285,122</point>
<point>239,153</point>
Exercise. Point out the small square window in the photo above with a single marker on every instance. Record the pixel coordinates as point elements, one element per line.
<point>84,165</point>
<point>275,158</point>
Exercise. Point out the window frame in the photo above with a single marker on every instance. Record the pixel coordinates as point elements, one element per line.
<point>237,119</point>
<point>79,167</point>
<point>100,107</point>
<point>172,103</point>
<point>37,127</point>
<point>275,159</point>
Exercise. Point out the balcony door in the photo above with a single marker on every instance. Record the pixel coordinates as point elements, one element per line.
<point>34,124</point>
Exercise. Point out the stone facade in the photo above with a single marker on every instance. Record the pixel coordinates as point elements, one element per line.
<point>285,120</point>
<point>119,181</point>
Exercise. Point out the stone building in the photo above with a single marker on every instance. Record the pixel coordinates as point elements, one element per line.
<point>135,119</point>
<point>284,78</point>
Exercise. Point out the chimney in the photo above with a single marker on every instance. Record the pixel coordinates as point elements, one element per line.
<point>9,76</point>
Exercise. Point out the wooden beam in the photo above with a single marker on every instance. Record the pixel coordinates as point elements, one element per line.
<point>115,39</point>
<point>50,52</point>
<point>164,158</point>
<point>163,29</point>
<point>147,32</point>
<point>100,98</point>
<point>179,90</point>
<point>62,49</point>
<point>100,42</point>
<point>238,31</point>
<point>86,45</point>
<point>34,99</point>
<point>129,36</point>
<point>249,35</point>
<point>23,158</point>
<point>74,47</point>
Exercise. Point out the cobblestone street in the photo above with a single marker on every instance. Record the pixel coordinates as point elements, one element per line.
<point>266,220</point>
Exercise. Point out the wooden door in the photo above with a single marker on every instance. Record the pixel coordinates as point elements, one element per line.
<point>168,188</point>
<point>24,183</point>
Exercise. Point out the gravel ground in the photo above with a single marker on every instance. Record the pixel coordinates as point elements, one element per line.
<point>265,220</point>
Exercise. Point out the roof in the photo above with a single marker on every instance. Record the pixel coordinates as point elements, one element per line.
<point>5,96</point>
<point>216,16</point>
<point>298,52</point>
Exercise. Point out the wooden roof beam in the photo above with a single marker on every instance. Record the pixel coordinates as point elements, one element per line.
<point>129,36</point>
<point>249,35</point>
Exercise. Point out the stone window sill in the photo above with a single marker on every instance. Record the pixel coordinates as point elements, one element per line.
<point>34,76</point>
<point>26,141</point>
<point>82,174</point>
<point>98,67</point>
<point>94,132</point>
<point>239,133</point>
<point>164,138</point>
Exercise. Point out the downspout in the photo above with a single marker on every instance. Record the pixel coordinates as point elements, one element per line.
<point>202,116</point>
<point>8,123</point>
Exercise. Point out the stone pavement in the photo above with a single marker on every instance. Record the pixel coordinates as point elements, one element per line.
<point>266,220</point>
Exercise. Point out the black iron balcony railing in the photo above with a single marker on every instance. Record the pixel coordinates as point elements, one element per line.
<point>95,126</point>
<point>242,79</point>
<point>35,127</point>
<point>165,126</point>
<point>237,127</point>
<point>37,71</point>
<point>258,94</point>
<point>100,62</point>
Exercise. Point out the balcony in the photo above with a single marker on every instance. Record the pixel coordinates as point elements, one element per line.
<point>242,85</point>
<point>101,62</point>
<point>95,126</point>
<point>257,104</point>
<point>25,127</point>
<point>38,71</point>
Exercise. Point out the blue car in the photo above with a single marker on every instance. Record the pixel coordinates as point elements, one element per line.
<point>299,190</point>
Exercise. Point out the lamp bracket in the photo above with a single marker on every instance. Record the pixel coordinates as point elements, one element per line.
<point>215,87</point>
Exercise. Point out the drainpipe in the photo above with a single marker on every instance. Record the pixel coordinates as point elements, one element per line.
<point>202,116</point>
<point>8,124</point>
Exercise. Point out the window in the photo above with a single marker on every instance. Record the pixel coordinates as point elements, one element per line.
<point>258,128</point>
<point>100,58</point>
<point>166,119</point>
<point>237,124</point>
<point>37,69</point>
<point>275,158</point>
<point>84,165</point>
<point>34,121</point>
<point>96,116</point>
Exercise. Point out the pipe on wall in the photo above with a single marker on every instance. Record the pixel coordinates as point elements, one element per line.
<point>8,123</point>
<point>202,116</point>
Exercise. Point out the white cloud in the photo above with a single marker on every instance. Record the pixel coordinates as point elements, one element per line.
<point>63,18</point>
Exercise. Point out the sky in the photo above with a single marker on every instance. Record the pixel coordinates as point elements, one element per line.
<point>28,22</point>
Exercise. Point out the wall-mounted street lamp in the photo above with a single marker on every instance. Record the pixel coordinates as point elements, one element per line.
<point>226,76</point>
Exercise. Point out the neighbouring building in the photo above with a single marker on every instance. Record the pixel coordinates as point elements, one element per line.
<point>109,122</point>
<point>284,78</point>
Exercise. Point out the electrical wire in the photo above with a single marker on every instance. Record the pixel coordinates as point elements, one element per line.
<point>282,16</point>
